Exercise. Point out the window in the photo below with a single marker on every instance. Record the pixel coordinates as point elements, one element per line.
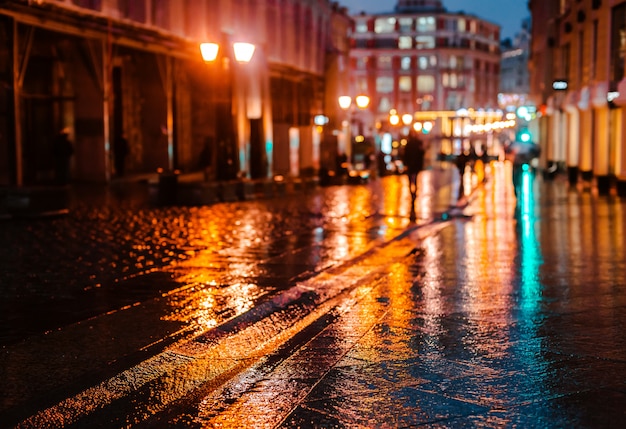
<point>460,81</point>
<point>361,85</point>
<point>386,43</point>
<point>361,63</point>
<point>384,85</point>
<point>424,42</point>
<point>462,25</point>
<point>425,24</point>
<point>405,63</point>
<point>385,105</point>
<point>406,24</point>
<point>385,63</point>
<point>361,27</point>
<point>422,63</point>
<point>453,80</point>
<point>426,84</point>
<point>405,83</point>
<point>405,42</point>
<point>385,25</point>
<point>425,62</point>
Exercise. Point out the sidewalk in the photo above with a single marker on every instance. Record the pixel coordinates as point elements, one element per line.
<point>186,189</point>
<point>91,394</point>
<point>498,320</point>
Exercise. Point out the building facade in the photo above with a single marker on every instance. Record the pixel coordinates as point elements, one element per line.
<point>110,68</point>
<point>514,76</point>
<point>577,77</point>
<point>423,58</point>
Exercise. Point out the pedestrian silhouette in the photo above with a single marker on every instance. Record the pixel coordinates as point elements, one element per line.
<point>461,161</point>
<point>413,159</point>
<point>62,151</point>
<point>120,152</point>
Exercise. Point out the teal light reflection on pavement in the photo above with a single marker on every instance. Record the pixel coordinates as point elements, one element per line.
<point>530,253</point>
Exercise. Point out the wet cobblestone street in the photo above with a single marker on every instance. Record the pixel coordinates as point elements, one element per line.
<point>329,309</point>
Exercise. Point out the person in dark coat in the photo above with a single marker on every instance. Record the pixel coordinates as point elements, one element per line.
<point>461,161</point>
<point>62,151</point>
<point>413,159</point>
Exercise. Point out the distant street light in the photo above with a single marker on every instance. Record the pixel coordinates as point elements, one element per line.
<point>243,51</point>
<point>209,51</point>
<point>345,102</point>
<point>362,101</point>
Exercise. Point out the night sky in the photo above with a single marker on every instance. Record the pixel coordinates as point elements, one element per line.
<point>507,13</point>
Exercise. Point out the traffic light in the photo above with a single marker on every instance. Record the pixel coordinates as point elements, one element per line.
<point>524,136</point>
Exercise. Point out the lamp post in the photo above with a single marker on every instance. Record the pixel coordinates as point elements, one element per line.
<point>226,131</point>
<point>345,102</point>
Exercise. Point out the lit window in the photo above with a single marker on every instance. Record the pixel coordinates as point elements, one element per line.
<point>384,85</point>
<point>426,84</point>
<point>424,42</point>
<point>423,63</point>
<point>445,80</point>
<point>462,25</point>
<point>405,63</point>
<point>406,24</point>
<point>453,63</point>
<point>433,61</point>
<point>405,42</point>
<point>385,63</point>
<point>426,23</point>
<point>361,63</point>
<point>384,105</point>
<point>385,25</point>
<point>453,81</point>
<point>404,83</point>
<point>361,27</point>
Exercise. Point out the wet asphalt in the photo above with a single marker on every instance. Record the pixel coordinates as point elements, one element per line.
<point>331,307</point>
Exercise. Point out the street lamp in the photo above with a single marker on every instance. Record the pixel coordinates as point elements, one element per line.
<point>345,102</point>
<point>243,51</point>
<point>226,131</point>
<point>362,101</point>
